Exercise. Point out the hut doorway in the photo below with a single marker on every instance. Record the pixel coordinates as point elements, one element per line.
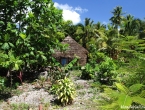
<point>64,61</point>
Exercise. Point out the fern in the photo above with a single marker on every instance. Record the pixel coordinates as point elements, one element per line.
<point>139,100</point>
<point>135,88</point>
<point>124,100</point>
<point>142,94</point>
<point>122,88</point>
<point>113,106</point>
<point>126,97</point>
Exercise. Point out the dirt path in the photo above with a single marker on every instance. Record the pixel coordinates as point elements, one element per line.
<point>33,97</point>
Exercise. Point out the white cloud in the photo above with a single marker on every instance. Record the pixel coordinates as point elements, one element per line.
<point>71,13</point>
<point>64,7</point>
<point>79,9</point>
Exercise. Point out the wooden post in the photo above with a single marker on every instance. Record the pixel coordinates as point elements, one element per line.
<point>40,107</point>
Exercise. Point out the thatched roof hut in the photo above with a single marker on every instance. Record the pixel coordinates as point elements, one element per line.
<point>74,50</point>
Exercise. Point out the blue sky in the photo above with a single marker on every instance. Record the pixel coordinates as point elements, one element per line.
<point>98,10</point>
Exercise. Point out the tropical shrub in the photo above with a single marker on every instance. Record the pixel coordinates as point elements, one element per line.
<point>101,67</point>
<point>2,83</point>
<point>30,36</point>
<point>132,72</point>
<point>107,71</point>
<point>11,63</point>
<point>60,72</point>
<point>88,71</point>
<point>122,98</point>
<point>64,90</point>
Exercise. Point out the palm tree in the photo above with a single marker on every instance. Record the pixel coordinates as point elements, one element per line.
<point>131,26</point>
<point>113,32</point>
<point>92,35</point>
<point>126,25</point>
<point>85,31</point>
<point>99,26</point>
<point>117,17</point>
<point>112,39</point>
<point>142,29</point>
<point>69,28</point>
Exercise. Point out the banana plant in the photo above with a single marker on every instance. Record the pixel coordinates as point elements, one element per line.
<point>59,72</point>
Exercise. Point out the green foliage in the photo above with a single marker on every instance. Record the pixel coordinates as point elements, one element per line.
<point>131,60</point>
<point>41,80</point>
<point>107,71</point>
<point>21,106</point>
<point>71,64</point>
<point>88,71</point>
<point>122,97</point>
<point>10,62</point>
<point>64,90</point>
<point>122,88</point>
<point>2,83</point>
<point>96,56</point>
<point>60,72</point>
<point>33,32</point>
<point>100,68</point>
<point>117,16</point>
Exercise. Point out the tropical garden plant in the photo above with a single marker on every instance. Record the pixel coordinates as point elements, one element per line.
<point>123,98</point>
<point>88,71</point>
<point>65,91</point>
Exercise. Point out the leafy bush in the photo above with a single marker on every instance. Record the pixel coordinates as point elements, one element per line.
<point>100,68</point>
<point>88,71</point>
<point>60,72</point>
<point>64,90</point>
<point>107,71</point>
<point>132,72</point>
<point>122,97</point>
<point>2,81</point>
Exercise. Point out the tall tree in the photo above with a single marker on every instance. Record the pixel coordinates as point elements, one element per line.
<point>69,28</point>
<point>99,26</point>
<point>142,29</point>
<point>117,17</point>
<point>85,31</point>
<point>30,29</point>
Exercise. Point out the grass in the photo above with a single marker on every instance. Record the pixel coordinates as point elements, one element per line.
<point>16,92</point>
<point>21,106</point>
<point>78,87</point>
<point>81,93</point>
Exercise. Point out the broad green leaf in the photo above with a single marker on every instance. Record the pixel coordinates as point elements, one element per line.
<point>11,44</point>
<point>23,36</point>
<point>6,37</point>
<point>31,15</point>
<point>142,94</point>
<point>5,46</point>
<point>31,53</point>
<point>112,106</point>
<point>16,67</point>
<point>124,100</point>
<point>44,57</point>
<point>139,100</point>
<point>122,88</point>
<point>136,87</point>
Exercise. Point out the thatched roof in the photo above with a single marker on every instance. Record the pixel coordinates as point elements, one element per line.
<point>75,49</point>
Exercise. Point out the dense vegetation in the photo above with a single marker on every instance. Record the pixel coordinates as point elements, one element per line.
<point>31,30</point>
